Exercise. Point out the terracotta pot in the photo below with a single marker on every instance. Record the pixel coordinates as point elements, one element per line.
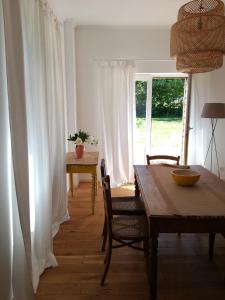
<point>79,149</point>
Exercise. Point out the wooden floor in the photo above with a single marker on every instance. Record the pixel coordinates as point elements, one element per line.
<point>184,269</point>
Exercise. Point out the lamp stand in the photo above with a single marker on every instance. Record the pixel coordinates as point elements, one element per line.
<point>212,144</point>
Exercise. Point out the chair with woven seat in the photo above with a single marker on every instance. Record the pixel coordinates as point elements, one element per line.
<point>126,230</point>
<point>150,158</point>
<point>124,205</point>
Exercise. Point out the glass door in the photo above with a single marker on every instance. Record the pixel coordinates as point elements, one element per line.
<point>160,103</point>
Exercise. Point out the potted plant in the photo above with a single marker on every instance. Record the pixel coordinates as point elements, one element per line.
<point>80,138</point>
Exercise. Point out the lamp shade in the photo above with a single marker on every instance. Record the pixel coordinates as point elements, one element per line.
<point>197,39</point>
<point>213,110</point>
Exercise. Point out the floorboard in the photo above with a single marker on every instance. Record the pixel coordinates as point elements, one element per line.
<point>184,269</point>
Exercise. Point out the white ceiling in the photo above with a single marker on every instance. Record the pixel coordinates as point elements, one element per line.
<point>134,13</point>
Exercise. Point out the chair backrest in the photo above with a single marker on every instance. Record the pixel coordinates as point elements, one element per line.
<point>162,158</point>
<point>103,168</point>
<point>107,200</point>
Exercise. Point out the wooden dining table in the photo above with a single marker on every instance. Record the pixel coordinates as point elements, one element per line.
<point>172,208</point>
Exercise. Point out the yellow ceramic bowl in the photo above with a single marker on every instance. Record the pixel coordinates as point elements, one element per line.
<point>185,177</point>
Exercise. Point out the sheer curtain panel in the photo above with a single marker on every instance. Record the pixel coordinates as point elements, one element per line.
<point>116,108</point>
<point>42,39</point>
<point>15,246</point>
<point>200,93</point>
<point>33,189</point>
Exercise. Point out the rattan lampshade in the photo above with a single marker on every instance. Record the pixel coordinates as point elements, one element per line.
<point>198,37</point>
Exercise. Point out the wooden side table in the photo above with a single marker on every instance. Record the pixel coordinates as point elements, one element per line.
<point>87,164</point>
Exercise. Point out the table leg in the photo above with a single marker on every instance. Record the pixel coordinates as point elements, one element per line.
<point>153,266</point>
<point>211,245</point>
<point>96,185</point>
<point>137,191</point>
<point>93,192</point>
<point>71,183</point>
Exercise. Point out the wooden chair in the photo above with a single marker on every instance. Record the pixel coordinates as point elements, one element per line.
<point>124,205</point>
<point>150,158</point>
<point>126,230</point>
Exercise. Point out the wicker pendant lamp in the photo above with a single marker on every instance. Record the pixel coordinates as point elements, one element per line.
<point>198,37</point>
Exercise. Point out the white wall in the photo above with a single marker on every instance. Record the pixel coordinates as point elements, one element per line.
<point>207,87</point>
<point>141,45</point>
<point>93,44</point>
<point>217,94</point>
<point>70,80</point>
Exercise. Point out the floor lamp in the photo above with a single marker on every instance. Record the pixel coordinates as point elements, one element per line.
<point>213,111</point>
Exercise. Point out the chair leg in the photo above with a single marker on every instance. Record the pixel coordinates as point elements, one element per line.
<point>104,227</point>
<point>146,249</point>
<point>108,259</point>
<point>145,242</point>
<point>211,245</point>
<point>104,233</point>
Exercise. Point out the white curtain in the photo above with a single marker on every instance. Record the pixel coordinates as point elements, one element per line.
<point>34,105</point>
<point>116,106</point>
<point>15,246</point>
<point>42,38</point>
<point>197,141</point>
